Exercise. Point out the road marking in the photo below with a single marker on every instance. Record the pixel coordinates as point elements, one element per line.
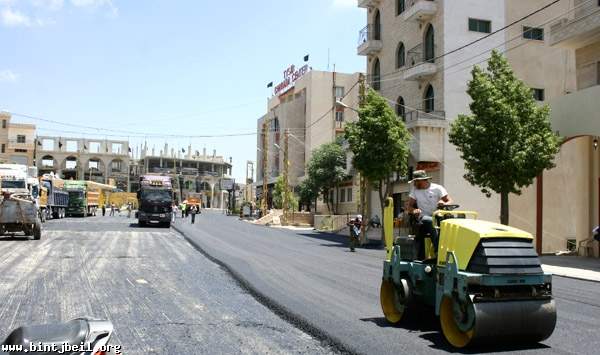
<point>141,281</point>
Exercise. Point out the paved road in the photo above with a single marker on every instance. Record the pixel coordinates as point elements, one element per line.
<point>163,296</point>
<point>314,278</point>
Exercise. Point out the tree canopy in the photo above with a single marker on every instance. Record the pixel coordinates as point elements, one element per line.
<point>507,139</point>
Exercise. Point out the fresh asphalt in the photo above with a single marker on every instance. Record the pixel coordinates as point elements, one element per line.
<point>162,295</point>
<point>313,280</point>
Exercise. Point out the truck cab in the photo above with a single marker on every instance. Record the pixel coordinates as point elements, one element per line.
<point>155,200</point>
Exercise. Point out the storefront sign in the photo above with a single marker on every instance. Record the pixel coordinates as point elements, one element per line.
<point>290,75</point>
<point>428,166</point>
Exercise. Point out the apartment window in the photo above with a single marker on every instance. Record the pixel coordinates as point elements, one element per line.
<point>275,125</point>
<point>47,144</point>
<point>598,68</point>
<point>20,138</point>
<point>339,92</point>
<point>376,82</point>
<point>3,123</point>
<point>429,99</point>
<point>3,148</point>
<point>71,146</point>
<point>349,195</point>
<point>429,44</point>
<point>533,33</point>
<point>400,6</point>
<point>400,108</point>
<point>343,195</point>
<point>400,56</point>
<point>538,94</point>
<point>339,116</point>
<point>20,150</point>
<point>94,147</point>
<point>477,25</point>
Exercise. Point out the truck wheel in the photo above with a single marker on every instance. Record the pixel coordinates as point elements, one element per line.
<point>167,224</point>
<point>37,230</point>
<point>141,224</point>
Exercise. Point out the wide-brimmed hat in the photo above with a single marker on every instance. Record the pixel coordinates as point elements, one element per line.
<point>419,175</point>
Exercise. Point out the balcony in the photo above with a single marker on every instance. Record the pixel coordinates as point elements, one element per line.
<point>576,113</point>
<point>428,132</point>
<point>580,29</point>
<point>420,10</point>
<point>418,67</point>
<point>366,4</point>
<point>369,40</point>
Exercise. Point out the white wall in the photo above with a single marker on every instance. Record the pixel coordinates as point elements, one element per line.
<point>456,33</point>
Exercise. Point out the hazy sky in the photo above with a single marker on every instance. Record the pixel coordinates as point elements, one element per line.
<point>191,67</point>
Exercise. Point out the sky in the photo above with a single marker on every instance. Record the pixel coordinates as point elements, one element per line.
<point>164,67</point>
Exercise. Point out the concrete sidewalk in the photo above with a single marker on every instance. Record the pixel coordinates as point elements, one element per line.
<point>576,267</point>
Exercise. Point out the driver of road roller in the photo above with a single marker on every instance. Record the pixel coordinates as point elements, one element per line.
<point>424,199</point>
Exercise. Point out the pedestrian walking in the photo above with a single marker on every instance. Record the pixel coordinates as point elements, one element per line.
<point>129,210</point>
<point>173,212</point>
<point>193,211</point>
<point>187,210</point>
<point>355,228</point>
<point>103,210</point>
<point>112,209</point>
<point>183,210</point>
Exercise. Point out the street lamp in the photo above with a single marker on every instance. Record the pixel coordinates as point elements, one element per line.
<point>595,143</point>
<point>339,103</point>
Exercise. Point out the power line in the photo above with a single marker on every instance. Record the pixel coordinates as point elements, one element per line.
<point>500,45</point>
<point>470,43</point>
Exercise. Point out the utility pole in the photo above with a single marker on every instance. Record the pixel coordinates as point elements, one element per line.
<point>286,163</point>
<point>263,201</point>
<point>364,196</point>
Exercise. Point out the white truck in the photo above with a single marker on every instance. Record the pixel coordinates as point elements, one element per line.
<point>18,209</point>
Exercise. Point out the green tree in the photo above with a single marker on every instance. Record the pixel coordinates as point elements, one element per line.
<point>379,142</point>
<point>327,169</point>
<point>507,140</point>
<point>278,194</point>
<point>308,192</point>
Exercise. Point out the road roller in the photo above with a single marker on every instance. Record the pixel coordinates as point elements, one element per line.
<point>482,279</point>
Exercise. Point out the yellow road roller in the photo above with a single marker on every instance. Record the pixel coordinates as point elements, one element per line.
<point>483,279</point>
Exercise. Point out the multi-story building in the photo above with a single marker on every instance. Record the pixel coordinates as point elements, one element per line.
<point>305,107</point>
<point>190,172</point>
<point>419,55</point>
<point>563,205</point>
<point>102,161</point>
<point>17,141</point>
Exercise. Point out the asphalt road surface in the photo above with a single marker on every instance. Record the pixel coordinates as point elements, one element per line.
<point>334,294</point>
<point>162,295</point>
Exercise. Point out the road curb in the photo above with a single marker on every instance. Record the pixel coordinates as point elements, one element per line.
<point>575,278</point>
<point>280,310</point>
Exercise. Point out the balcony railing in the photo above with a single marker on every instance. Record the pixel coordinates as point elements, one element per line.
<point>369,33</point>
<point>420,10</point>
<point>581,27</point>
<point>413,116</point>
<point>419,63</point>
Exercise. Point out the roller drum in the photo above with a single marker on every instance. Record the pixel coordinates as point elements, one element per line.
<point>528,321</point>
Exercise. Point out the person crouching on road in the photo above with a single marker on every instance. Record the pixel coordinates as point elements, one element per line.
<point>355,228</point>
<point>193,210</point>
